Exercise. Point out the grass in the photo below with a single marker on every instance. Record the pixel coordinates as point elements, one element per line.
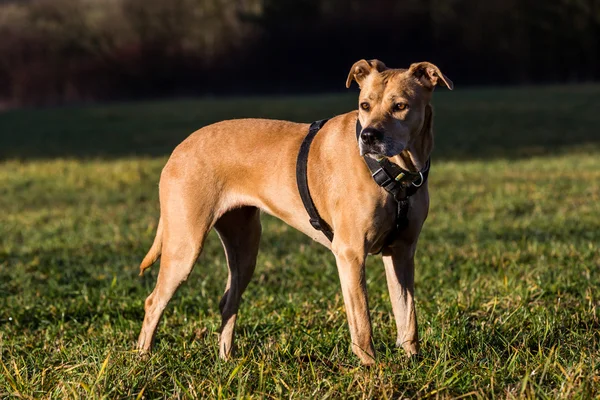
<point>508,268</point>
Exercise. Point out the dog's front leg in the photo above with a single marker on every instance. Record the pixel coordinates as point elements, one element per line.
<point>400,274</point>
<point>351,268</point>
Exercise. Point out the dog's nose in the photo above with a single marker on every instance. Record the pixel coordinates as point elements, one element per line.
<point>371,135</point>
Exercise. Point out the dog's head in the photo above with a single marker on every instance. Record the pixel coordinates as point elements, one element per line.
<point>393,106</point>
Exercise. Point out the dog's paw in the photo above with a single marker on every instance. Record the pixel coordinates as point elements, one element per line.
<point>411,347</point>
<point>144,355</point>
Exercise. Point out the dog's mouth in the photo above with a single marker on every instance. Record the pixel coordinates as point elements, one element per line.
<point>379,149</point>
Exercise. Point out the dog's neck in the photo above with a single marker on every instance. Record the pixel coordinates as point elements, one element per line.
<point>410,160</point>
<point>417,152</point>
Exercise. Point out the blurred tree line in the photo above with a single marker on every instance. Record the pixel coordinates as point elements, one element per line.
<point>57,51</point>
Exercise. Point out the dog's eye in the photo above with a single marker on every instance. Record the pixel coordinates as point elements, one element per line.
<point>365,106</point>
<point>401,106</point>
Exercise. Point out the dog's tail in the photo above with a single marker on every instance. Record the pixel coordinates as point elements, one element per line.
<point>154,251</point>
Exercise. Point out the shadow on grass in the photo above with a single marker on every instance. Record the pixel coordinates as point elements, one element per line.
<point>43,287</point>
<point>473,123</point>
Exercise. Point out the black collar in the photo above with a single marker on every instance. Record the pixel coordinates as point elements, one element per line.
<point>397,181</point>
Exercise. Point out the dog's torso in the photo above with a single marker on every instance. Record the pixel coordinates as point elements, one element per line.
<point>252,162</point>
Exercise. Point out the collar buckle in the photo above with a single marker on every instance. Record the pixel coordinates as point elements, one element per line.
<point>382,177</point>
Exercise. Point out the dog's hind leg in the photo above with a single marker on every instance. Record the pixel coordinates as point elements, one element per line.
<point>239,230</point>
<point>186,225</point>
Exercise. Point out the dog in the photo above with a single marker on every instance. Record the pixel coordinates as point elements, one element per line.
<point>224,174</point>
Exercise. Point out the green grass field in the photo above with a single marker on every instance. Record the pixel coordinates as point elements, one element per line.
<point>507,281</point>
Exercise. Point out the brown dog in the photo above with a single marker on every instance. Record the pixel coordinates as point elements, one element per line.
<point>222,176</point>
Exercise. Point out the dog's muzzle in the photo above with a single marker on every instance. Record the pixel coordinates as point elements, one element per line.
<point>373,143</point>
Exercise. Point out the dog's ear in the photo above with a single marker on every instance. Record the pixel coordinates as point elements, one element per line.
<point>361,69</point>
<point>429,75</point>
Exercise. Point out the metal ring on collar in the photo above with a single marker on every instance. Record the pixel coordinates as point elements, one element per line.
<point>420,182</point>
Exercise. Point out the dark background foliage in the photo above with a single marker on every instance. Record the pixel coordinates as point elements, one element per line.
<point>65,51</point>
